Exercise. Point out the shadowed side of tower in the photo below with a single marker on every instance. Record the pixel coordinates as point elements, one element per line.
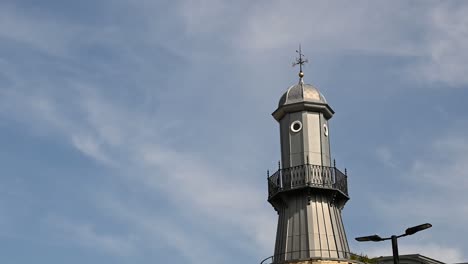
<point>308,191</point>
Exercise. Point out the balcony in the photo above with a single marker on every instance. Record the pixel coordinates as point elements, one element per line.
<point>307,175</point>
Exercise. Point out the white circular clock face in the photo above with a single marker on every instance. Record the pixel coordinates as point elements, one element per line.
<point>325,130</point>
<point>296,126</point>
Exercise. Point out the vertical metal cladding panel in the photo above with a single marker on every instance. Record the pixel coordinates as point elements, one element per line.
<point>336,231</point>
<point>325,142</point>
<point>303,224</point>
<point>311,226</point>
<point>284,138</point>
<point>313,134</point>
<point>287,232</point>
<point>284,248</point>
<point>296,228</point>
<point>345,239</point>
<point>343,234</point>
<point>317,244</point>
<point>305,135</point>
<point>329,142</point>
<point>296,142</point>
<point>278,234</point>
<point>330,231</point>
<point>322,228</point>
<point>289,241</point>
<point>340,229</point>
<point>281,235</point>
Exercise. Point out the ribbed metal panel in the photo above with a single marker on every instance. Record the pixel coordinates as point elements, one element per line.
<point>310,227</point>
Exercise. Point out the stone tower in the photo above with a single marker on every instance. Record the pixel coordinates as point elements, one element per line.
<point>308,192</point>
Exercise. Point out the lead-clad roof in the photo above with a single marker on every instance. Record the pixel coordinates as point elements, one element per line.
<point>301,92</point>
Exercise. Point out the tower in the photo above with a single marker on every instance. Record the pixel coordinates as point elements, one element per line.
<point>308,192</point>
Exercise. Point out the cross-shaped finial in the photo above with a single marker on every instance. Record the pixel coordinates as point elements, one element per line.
<point>300,61</point>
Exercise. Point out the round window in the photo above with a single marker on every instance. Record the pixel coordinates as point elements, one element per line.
<point>296,126</point>
<point>325,130</point>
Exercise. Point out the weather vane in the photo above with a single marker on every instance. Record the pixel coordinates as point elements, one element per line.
<point>300,61</point>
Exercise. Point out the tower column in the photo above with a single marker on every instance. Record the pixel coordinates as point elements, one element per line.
<point>308,192</point>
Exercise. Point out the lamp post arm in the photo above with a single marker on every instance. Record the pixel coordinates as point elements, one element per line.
<point>386,238</point>
<point>402,235</point>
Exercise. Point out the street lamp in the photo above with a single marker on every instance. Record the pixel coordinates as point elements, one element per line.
<point>408,231</point>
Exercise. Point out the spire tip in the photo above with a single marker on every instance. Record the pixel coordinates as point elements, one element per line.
<point>300,61</point>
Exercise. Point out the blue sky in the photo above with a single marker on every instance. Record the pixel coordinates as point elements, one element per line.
<point>141,131</point>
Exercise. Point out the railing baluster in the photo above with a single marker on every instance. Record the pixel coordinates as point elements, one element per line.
<point>325,177</point>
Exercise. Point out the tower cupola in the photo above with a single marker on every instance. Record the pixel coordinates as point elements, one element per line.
<point>302,93</point>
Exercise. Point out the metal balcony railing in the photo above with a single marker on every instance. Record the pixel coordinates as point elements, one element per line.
<point>307,175</point>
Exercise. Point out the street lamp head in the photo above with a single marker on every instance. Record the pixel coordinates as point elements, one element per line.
<point>374,238</point>
<point>417,228</point>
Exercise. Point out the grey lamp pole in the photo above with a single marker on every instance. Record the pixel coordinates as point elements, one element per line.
<point>396,256</point>
<point>394,238</point>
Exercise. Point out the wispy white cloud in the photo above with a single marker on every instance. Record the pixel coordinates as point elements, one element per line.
<point>447,166</point>
<point>198,17</point>
<point>86,235</point>
<point>385,155</point>
<point>437,180</point>
<point>371,27</point>
<point>220,196</point>
<point>433,34</point>
<point>444,53</point>
<point>127,140</point>
<point>40,32</point>
<point>157,230</point>
<point>91,148</point>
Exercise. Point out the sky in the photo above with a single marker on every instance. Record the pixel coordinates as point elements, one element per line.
<point>141,131</point>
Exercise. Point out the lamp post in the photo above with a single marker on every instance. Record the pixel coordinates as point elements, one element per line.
<point>394,238</point>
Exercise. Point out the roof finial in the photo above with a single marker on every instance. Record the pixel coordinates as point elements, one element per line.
<point>300,61</point>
